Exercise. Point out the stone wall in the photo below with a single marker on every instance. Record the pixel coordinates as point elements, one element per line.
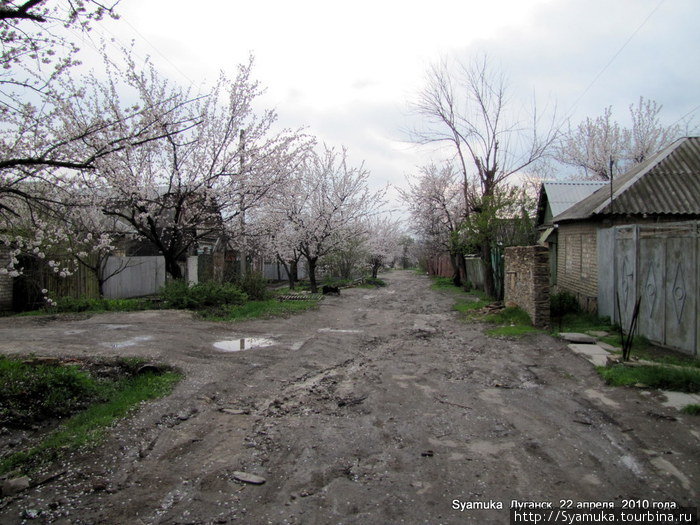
<point>527,281</point>
<point>5,280</point>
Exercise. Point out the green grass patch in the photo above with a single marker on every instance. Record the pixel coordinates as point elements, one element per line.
<point>512,331</point>
<point>513,321</point>
<point>258,309</point>
<point>373,282</point>
<point>444,283</point>
<point>693,410</point>
<point>582,322</point>
<point>95,403</point>
<point>469,306</point>
<point>510,316</point>
<point>676,379</point>
<point>32,392</point>
<point>84,304</point>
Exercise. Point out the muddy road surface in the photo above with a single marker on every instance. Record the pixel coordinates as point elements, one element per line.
<point>380,407</point>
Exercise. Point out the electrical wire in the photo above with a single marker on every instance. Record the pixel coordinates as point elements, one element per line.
<point>626,43</point>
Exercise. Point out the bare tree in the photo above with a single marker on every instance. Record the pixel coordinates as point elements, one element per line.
<point>468,106</point>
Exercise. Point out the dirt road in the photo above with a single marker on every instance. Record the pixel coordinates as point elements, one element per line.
<point>380,407</point>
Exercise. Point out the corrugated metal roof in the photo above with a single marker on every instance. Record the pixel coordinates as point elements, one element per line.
<point>667,183</point>
<point>562,195</point>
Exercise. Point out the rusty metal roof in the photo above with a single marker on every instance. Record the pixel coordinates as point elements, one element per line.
<point>666,184</point>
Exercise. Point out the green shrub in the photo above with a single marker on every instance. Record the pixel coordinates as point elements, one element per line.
<point>563,303</point>
<point>255,286</point>
<point>74,304</point>
<point>178,294</point>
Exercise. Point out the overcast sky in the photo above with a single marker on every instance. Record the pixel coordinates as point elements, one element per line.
<point>347,71</point>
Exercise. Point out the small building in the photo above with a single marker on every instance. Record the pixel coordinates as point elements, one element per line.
<point>555,198</point>
<point>638,239</point>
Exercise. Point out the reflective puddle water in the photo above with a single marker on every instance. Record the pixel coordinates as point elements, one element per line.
<point>338,331</point>
<point>244,343</point>
<point>129,342</point>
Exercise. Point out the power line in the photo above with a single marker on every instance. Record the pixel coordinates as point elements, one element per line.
<point>192,83</point>
<point>103,29</point>
<point>600,73</point>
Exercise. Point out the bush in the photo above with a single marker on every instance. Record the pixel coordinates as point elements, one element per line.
<point>74,304</point>
<point>255,286</point>
<point>178,294</point>
<point>563,303</point>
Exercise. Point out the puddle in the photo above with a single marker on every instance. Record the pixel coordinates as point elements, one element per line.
<point>338,331</point>
<point>129,342</point>
<point>116,326</point>
<point>244,343</point>
<point>74,332</point>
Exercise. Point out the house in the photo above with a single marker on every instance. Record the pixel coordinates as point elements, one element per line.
<point>554,199</point>
<point>638,238</point>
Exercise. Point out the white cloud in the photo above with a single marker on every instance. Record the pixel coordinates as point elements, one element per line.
<point>347,70</point>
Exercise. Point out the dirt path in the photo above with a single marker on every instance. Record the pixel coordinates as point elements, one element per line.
<point>381,407</point>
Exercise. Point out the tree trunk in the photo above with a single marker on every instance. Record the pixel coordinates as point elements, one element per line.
<point>312,273</point>
<point>462,268</point>
<point>287,270</point>
<point>375,270</point>
<point>294,268</point>
<point>172,267</point>
<point>456,277</point>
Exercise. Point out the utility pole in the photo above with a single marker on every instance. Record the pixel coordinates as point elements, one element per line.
<point>612,164</point>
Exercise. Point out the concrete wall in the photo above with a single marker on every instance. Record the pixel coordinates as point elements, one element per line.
<point>527,281</point>
<point>577,263</point>
<point>5,280</point>
<point>138,276</point>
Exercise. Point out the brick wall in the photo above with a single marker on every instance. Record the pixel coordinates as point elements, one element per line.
<point>577,263</point>
<point>5,281</point>
<point>527,281</point>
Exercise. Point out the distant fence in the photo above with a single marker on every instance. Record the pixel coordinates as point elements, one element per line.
<point>442,267</point>
<point>276,272</point>
<point>137,276</point>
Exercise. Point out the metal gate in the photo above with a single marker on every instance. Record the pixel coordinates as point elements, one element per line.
<point>661,265</point>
